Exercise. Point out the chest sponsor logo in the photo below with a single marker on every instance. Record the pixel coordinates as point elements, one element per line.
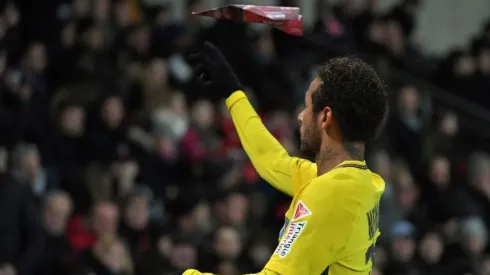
<point>293,232</point>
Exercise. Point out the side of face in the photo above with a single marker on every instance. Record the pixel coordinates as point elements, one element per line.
<point>312,124</point>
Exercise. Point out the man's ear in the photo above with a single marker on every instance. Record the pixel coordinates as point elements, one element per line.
<point>326,117</point>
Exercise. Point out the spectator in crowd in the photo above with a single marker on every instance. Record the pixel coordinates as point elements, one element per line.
<point>26,169</point>
<point>57,254</point>
<point>22,237</point>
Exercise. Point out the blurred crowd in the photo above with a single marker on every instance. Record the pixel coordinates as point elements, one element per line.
<point>114,161</point>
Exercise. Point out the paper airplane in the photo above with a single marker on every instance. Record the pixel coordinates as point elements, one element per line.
<point>286,19</point>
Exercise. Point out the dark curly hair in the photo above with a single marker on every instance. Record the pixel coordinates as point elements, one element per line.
<point>356,95</point>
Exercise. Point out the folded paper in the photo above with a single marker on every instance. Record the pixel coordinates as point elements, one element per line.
<point>287,19</point>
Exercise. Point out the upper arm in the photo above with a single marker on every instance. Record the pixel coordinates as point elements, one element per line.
<point>315,238</point>
<point>268,156</point>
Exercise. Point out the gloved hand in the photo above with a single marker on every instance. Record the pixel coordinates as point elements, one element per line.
<point>213,70</point>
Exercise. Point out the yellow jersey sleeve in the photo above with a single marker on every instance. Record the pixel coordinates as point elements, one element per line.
<point>195,272</point>
<point>318,231</point>
<point>268,156</point>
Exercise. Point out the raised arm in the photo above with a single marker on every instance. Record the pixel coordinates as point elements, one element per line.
<point>268,156</point>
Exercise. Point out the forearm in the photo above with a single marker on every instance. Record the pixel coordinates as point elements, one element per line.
<point>262,148</point>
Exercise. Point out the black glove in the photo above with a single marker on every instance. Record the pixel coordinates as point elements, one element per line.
<point>213,70</point>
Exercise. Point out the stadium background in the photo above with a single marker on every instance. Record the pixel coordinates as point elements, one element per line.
<point>114,161</point>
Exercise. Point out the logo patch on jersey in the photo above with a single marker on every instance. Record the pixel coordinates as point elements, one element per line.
<point>292,233</point>
<point>286,223</point>
<point>301,211</point>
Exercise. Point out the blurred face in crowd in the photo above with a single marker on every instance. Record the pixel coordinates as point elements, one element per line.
<point>164,245</point>
<point>395,39</point>
<point>227,243</point>
<point>474,244</point>
<point>280,122</point>
<point>12,15</point>
<point>484,61</point>
<point>431,248</point>
<point>94,38</point>
<point>36,58</point>
<point>464,66</point>
<point>382,165</point>
<point>30,164</point>
<point>113,111</point>
<point>479,173</point>
<point>381,256</point>
<point>3,62</point>
<point>202,216</point>
<point>376,32</point>
<point>290,145</point>
<point>121,11</point>
<point>3,28</point>
<point>203,113</point>
<point>3,160</point>
<point>376,271</point>
<point>265,47</point>
<point>68,35</point>
<point>353,7</point>
<point>406,191</point>
<point>157,72</point>
<point>137,213</point>
<point>449,124</point>
<point>484,268</point>
<point>57,211</point>
<point>178,104</point>
<point>102,10</point>
<point>227,268</point>
<point>402,249</point>
<point>166,147</point>
<point>311,138</point>
<point>140,40</point>
<point>237,208</point>
<point>260,253</point>
<point>126,172</point>
<point>440,173</point>
<point>105,219</point>
<point>114,256</point>
<point>163,17</point>
<point>183,256</point>
<point>72,121</point>
<point>81,8</point>
<point>409,100</point>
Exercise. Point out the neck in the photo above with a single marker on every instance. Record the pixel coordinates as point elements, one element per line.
<point>329,158</point>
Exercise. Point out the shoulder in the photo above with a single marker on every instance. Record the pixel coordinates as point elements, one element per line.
<point>345,188</point>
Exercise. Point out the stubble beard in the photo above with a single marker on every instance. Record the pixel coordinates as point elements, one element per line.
<point>310,144</point>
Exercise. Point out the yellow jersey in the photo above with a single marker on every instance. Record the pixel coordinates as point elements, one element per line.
<point>331,226</point>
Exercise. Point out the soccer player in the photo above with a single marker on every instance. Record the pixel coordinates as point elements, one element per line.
<point>331,226</point>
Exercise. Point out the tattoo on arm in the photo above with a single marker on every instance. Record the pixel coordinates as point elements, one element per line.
<point>354,152</point>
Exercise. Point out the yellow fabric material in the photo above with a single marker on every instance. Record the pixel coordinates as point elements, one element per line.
<point>268,156</point>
